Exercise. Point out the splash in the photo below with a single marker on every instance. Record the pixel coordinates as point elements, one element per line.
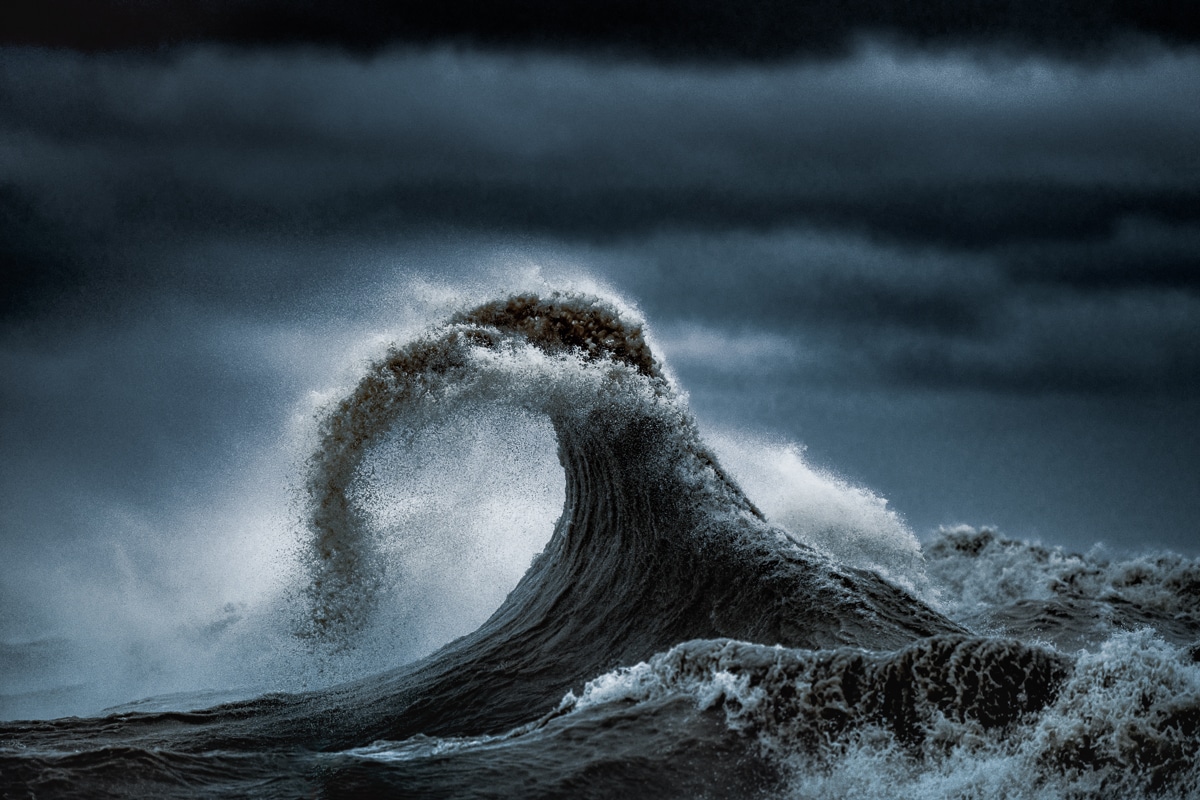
<point>1075,600</point>
<point>701,647</point>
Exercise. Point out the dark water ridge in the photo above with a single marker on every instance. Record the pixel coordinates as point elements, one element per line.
<point>669,640</point>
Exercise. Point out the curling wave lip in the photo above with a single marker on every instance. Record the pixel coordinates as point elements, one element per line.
<point>669,637</point>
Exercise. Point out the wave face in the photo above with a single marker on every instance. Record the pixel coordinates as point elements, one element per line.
<point>669,639</point>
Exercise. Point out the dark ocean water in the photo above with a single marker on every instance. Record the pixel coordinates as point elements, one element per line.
<point>670,640</point>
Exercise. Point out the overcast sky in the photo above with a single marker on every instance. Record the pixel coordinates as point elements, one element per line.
<point>956,255</point>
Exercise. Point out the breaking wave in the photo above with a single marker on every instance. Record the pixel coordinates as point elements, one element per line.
<point>671,638</point>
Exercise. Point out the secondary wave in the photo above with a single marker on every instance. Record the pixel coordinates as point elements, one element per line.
<point>666,608</point>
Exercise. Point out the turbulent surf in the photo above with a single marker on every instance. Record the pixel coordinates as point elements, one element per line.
<point>670,639</point>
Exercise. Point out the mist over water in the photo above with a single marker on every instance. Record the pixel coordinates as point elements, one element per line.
<point>460,509</point>
<point>824,510</point>
<point>772,400</point>
<point>503,547</point>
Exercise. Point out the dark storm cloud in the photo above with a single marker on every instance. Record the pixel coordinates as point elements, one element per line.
<point>1138,252</point>
<point>813,307</point>
<point>810,278</point>
<point>35,255</point>
<point>144,394</point>
<point>945,220</point>
<point>900,256</point>
<point>672,29</point>
<point>925,148</point>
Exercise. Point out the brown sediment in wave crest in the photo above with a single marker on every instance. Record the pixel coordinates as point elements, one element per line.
<point>656,544</point>
<point>638,478</point>
<point>662,596</point>
<point>589,328</point>
<point>345,576</point>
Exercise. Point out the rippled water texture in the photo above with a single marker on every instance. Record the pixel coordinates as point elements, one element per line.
<point>670,639</point>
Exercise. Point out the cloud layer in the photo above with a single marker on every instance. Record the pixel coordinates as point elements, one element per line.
<point>941,270</point>
<point>1012,223</point>
<point>762,29</point>
<point>954,251</point>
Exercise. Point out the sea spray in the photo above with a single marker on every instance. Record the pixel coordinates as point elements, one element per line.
<point>851,523</point>
<point>994,583</point>
<point>702,648</point>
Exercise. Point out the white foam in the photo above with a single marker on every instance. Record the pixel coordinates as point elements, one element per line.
<point>1125,723</point>
<point>980,574</point>
<point>850,523</point>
